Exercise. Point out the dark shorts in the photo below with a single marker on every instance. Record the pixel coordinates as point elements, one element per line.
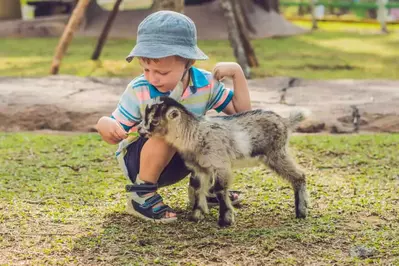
<point>175,171</point>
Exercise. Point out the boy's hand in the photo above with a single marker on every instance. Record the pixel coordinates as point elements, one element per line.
<point>226,69</point>
<point>110,130</point>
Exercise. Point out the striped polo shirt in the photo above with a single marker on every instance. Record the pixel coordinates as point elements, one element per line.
<point>203,94</point>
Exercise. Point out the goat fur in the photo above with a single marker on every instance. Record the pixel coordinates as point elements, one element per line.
<point>210,146</point>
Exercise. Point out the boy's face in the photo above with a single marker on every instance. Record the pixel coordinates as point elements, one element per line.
<point>164,73</point>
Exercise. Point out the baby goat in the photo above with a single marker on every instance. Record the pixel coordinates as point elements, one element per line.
<point>210,145</point>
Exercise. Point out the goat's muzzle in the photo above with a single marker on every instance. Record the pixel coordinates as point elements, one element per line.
<point>143,132</point>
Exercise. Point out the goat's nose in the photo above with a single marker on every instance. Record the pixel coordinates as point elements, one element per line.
<point>141,131</point>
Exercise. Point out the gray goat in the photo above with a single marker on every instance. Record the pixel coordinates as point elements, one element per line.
<point>211,145</point>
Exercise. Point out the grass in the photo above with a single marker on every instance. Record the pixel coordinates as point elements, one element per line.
<point>326,54</point>
<point>63,203</point>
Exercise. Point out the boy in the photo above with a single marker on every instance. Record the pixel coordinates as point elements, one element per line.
<point>166,49</point>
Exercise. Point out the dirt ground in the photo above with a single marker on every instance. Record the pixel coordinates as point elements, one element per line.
<point>68,103</point>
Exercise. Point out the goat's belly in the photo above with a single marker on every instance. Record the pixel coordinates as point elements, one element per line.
<point>246,163</point>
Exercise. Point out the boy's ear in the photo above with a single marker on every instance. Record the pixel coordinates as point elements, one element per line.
<point>191,62</point>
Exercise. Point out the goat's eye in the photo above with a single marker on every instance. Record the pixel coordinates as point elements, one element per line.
<point>155,122</point>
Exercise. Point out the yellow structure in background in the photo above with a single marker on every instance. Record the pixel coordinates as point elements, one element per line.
<point>126,4</point>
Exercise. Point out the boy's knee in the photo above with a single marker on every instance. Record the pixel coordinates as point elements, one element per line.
<point>158,150</point>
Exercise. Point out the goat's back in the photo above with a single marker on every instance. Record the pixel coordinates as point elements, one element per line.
<point>250,133</point>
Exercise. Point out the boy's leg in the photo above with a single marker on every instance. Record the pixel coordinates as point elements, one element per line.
<point>171,172</point>
<point>154,161</point>
<point>154,157</point>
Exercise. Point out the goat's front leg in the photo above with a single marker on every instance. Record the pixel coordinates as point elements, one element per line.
<point>226,212</point>
<point>197,196</point>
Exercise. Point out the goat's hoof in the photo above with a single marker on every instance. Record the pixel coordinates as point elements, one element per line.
<point>301,211</point>
<point>301,202</point>
<point>223,223</point>
<point>227,219</point>
<point>301,215</point>
<point>196,215</point>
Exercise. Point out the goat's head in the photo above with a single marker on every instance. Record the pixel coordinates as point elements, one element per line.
<point>162,117</point>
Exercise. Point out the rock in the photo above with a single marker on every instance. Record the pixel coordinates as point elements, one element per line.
<point>311,126</point>
<point>339,129</point>
<point>363,252</point>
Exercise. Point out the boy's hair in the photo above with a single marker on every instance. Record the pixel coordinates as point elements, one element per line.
<point>148,60</point>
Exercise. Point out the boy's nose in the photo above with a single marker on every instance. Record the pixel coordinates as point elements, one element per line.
<point>153,79</point>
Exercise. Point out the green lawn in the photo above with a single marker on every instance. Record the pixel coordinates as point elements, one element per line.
<point>326,54</point>
<point>62,202</point>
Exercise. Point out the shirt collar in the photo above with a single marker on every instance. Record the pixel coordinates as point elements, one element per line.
<point>197,80</point>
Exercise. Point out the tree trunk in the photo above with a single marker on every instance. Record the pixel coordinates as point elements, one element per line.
<point>275,5</point>
<point>234,36</point>
<point>73,23</point>
<point>301,10</point>
<point>247,7</point>
<point>104,33</point>
<point>243,30</point>
<point>382,13</point>
<point>10,9</point>
<point>313,10</point>
<point>175,5</point>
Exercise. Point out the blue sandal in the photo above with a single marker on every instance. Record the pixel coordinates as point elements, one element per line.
<point>143,207</point>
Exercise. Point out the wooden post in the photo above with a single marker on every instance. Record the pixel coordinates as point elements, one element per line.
<point>67,35</point>
<point>105,31</point>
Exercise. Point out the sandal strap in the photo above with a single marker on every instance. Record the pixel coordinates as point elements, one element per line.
<point>147,209</point>
<point>161,209</point>
<point>152,201</point>
<point>142,188</point>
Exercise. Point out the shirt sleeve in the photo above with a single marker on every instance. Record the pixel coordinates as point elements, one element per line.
<point>220,96</point>
<point>127,113</point>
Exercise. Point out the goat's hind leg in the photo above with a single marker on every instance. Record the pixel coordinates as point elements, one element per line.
<point>283,165</point>
<point>226,211</point>
<point>197,197</point>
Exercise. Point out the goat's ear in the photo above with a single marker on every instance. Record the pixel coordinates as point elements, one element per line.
<point>172,113</point>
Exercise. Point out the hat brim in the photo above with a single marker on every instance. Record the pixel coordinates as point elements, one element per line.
<point>157,51</point>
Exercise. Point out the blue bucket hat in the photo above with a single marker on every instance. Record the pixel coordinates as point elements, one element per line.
<point>167,33</point>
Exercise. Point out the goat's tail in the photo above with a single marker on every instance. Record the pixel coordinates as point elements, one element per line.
<point>297,116</point>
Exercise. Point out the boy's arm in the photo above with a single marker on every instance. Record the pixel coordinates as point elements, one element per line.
<point>241,99</point>
<point>110,130</point>
<point>126,115</point>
